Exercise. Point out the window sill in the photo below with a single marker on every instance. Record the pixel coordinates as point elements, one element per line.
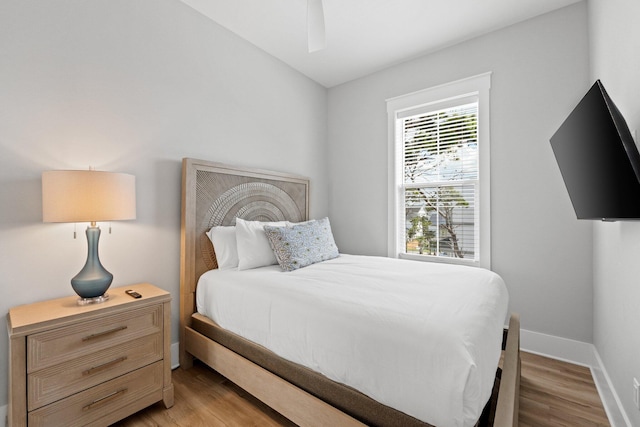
<point>443,260</point>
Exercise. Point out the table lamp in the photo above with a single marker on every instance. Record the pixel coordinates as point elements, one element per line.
<point>89,196</point>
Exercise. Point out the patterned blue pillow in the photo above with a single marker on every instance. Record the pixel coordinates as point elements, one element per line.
<point>302,244</point>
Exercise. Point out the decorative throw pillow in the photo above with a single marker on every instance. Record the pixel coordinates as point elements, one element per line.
<point>302,244</point>
<point>225,246</point>
<point>253,247</point>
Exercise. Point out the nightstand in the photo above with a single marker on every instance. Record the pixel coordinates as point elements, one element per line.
<point>73,365</point>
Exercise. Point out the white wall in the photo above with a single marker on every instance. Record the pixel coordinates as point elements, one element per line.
<point>540,70</point>
<point>133,86</point>
<point>615,59</point>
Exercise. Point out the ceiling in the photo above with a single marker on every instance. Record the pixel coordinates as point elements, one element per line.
<point>364,36</point>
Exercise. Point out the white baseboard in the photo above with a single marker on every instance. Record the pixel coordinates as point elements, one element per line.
<point>3,415</point>
<point>175,355</point>
<point>617,417</point>
<point>579,353</point>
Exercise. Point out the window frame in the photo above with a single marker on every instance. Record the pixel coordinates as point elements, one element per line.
<point>434,98</point>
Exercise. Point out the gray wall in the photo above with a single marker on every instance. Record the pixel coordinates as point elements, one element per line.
<point>615,59</point>
<point>540,69</point>
<point>133,86</point>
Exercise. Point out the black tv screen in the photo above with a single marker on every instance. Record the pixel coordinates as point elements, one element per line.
<point>598,159</point>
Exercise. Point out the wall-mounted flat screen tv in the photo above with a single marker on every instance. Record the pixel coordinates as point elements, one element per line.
<point>598,159</point>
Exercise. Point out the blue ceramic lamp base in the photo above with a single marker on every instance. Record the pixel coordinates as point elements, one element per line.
<point>93,281</point>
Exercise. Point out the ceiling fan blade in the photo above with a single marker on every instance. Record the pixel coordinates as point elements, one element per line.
<point>315,26</point>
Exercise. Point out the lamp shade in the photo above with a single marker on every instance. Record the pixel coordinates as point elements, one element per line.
<point>87,196</point>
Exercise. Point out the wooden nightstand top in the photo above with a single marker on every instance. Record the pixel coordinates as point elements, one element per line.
<point>31,318</point>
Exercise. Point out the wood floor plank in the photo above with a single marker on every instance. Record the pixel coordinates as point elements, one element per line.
<point>556,393</point>
<point>552,394</point>
<point>203,398</point>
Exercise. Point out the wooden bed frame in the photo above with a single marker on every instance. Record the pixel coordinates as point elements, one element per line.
<point>213,194</point>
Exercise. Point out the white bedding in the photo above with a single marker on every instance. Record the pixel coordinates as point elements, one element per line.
<point>423,338</point>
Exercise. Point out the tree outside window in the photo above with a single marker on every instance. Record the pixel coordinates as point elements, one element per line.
<point>440,176</point>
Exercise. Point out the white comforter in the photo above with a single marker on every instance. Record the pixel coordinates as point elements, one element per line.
<point>423,338</point>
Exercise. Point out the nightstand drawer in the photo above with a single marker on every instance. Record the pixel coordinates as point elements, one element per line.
<point>59,381</point>
<point>105,403</point>
<point>58,345</point>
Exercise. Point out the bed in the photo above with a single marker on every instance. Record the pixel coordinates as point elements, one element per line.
<point>297,381</point>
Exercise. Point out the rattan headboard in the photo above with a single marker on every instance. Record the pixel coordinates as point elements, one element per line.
<point>216,194</point>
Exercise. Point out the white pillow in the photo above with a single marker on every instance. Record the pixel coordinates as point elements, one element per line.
<point>224,243</point>
<point>254,249</point>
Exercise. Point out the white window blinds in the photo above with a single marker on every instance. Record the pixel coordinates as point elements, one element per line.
<point>440,180</point>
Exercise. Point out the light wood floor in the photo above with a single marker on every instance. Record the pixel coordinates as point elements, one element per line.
<point>552,393</point>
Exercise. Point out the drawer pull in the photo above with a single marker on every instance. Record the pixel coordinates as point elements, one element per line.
<point>105,399</point>
<point>101,334</point>
<point>104,366</point>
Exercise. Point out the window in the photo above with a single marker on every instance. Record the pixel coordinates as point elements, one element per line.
<point>439,191</point>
